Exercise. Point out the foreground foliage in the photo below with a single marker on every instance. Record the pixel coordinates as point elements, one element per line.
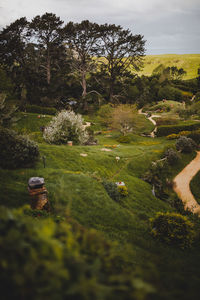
<point>172,228</point>
<point>41,259</point>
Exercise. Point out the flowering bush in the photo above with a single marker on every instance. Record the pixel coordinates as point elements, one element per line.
<point>66,126</point>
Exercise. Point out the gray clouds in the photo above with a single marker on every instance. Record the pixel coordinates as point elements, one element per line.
<point>170,26</point>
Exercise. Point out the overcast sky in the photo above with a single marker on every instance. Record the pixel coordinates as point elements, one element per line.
<point>168,26</point>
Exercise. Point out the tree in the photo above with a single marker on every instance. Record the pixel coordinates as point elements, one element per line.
<point>121,52</point>
<point>123,118</point>
<point>82,39</point>
<point>46,34</point>
<point>13,41</point>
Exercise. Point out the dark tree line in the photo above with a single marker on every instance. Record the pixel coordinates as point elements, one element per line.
<point>47,60</point>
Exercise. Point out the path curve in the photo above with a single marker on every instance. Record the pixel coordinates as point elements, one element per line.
<point>151,120</point>
<point>182,185</point>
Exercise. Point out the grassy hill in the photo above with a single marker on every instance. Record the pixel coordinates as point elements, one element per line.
<point>74,185</point>
<point>189,62</point>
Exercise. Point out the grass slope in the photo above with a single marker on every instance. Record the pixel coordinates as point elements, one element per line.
<point>189,62</point>
<point>74,185</point>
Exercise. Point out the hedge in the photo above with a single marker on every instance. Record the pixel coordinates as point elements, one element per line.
<point>40,110</point>
<point>16,151</point>
<point>165,130</point>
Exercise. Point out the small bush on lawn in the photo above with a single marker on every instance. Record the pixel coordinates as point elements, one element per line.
<point>112,190</point>
<point>124,139</point>
<point>185,145</point>
<point>173,229</point>
<point>66,126</point>
<point>16,151</point>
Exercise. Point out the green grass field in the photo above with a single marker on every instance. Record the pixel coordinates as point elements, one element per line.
<point>74,186</point>
<point>189,62</point>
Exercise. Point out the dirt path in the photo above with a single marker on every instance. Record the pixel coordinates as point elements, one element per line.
<point>182,185</point>
<point>151,120</point>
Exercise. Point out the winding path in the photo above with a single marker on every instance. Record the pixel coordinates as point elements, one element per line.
<point>182,185</point>
<point>152,134</point>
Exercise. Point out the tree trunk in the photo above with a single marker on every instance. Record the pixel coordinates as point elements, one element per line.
<point>111,89</point>
<point>48,68</point>
<point>84,92</point>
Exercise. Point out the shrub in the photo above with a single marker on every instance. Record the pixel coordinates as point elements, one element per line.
<point>173,229</point>
<point>40,110</point>
<point>124,139</point>
<point>172,156</point>
<point>66,126</point>
<point>104,114</point>
<point>112,190</point>
<point>16,150</point>
<point>122,189</point>
<point>185,144</point>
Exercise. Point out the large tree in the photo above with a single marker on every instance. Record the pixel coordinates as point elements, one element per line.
<point>82,41</point>
<point>46,33</point>
<point>122,52</point>
<point>13,42</point>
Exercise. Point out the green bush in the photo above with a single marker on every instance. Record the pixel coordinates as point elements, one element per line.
<point>172,156</point>
<point>173,229</point>
<point>185,145</point>
<point>16,151</point>
<point>124,139</point>
<point>169,129</point>
<point>40,110</point>
<point>112,190</point>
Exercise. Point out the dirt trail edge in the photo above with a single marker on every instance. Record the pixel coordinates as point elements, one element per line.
<point>182,185</point>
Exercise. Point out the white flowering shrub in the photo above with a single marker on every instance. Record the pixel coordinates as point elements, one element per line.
<point>66,126</point>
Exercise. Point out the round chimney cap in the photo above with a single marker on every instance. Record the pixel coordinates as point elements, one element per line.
<point>35,181</point>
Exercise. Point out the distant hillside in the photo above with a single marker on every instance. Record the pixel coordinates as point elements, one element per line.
<point>189,62</point>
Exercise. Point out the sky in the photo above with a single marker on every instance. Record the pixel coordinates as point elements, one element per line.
<point>168,26</point>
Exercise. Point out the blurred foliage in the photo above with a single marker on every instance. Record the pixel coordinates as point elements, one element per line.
<point>173,228</point>
<point>16,150</point>
<point>41,259</point>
